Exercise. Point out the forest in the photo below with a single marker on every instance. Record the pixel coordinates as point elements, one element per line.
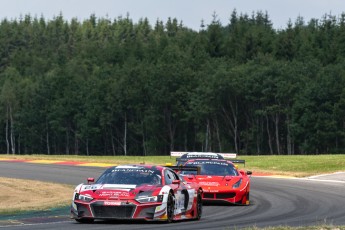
<point>106,86</point>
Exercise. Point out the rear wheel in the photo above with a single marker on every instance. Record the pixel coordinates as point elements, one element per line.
<point>170,207</point>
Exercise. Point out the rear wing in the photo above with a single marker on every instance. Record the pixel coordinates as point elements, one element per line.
<point>225,155</point>
<point>178,168</point>
<point>239,162</point>
<point>205,155</point>
<point>180,161</point>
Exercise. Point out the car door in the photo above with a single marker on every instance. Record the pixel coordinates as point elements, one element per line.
<point>180,190</point>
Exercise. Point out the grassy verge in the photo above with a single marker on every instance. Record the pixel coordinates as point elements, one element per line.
<point>299,166</point>
<point>19,195</point>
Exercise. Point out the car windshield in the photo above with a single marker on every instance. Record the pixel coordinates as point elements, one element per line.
<point>213,168</point>
<point>133,176</point>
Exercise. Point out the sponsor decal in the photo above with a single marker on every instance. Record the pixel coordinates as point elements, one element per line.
<point>207,163</point>
<point>205,183</point>
<point>225,155</point>
<point>213,156</point>
<point>112,203</point>
<point>113,194</point>
<point>138,170</point>
<point>208,190</point>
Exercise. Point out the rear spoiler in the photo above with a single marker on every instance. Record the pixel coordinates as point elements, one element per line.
<point>179,160</point>
<point>185,168</point>
<point>239,162</point>
<point>225,155</point>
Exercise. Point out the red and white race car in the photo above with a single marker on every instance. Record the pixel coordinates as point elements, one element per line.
<point>221,181</point>
<point>144,192</point>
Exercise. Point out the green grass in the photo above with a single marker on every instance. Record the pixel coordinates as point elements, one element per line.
<point>301,165</point>
<point>295,165</point>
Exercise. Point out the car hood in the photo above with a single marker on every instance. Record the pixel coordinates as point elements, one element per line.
<point>118,191</point>
<point>214,181</point>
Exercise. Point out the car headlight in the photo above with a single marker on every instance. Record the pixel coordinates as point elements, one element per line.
<point>147,199</point>
<point>83,197</point>
<point>237,184</point>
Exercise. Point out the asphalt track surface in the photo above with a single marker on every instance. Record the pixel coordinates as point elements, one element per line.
<point>274,202</point>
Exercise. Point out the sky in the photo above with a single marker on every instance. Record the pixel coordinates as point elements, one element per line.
<point>190,12</point>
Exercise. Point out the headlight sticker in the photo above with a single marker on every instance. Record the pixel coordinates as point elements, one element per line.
<point>84,198</point>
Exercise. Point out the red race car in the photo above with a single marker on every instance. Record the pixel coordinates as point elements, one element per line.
<point>221,181</point>
<point>144,192</point>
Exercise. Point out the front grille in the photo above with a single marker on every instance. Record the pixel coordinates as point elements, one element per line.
<point>207,195</point>
<point>116,212</point>
<point>225,195</point>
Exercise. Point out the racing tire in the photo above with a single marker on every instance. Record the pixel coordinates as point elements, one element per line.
<point>245,200</point>
<point>170,207</point>
<point>198,206</point>
<point>85,221</point>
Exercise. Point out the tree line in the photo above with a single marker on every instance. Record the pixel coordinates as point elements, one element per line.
<point>116,87</point>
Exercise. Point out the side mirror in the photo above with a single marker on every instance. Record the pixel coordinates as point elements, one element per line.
<point>90,180</point>
<point>228,178</point>
<point>176,182</point>
<point>191,177</point>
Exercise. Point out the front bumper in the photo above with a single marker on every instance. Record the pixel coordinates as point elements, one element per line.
<point>117,210</point>
<point>230,197</point>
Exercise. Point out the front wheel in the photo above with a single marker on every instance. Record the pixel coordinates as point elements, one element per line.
<point>245,199</point>
<point>247,202</point>
<point>170,208</point>
<point>198,206</point>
